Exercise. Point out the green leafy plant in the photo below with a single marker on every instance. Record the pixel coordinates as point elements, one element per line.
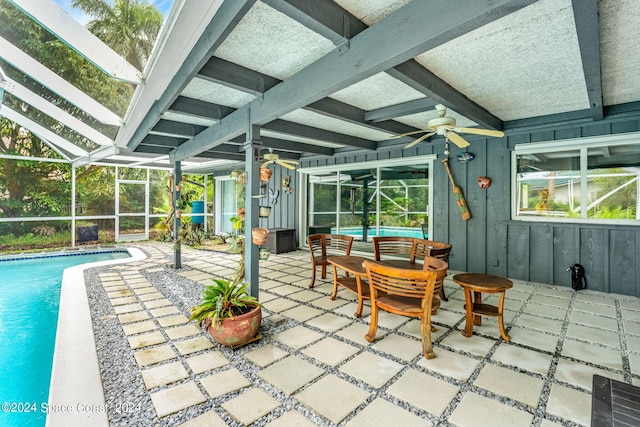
<point>224,300</point>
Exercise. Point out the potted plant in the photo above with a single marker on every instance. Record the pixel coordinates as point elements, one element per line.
<point>228,313</point>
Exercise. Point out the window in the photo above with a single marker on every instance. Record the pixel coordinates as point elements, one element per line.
<point>591,179</point>
<point>387,197</point>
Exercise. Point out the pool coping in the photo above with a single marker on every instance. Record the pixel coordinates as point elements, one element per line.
<point>76,394</point>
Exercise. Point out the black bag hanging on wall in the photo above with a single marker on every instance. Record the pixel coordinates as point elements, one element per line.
<point>578,281</point>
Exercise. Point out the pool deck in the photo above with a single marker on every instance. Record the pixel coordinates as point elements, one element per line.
<point>316,368</point>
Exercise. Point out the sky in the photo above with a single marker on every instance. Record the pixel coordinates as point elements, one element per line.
<point>164,6</point>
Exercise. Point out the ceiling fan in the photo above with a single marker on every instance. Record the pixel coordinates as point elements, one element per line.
<point>446,126</point>
<point>273,158</point>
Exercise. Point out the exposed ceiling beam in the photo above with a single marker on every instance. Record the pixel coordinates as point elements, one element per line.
<point>332,18</point>
<point>162,141</point>
<point>399,110</point>
<point>56,84</point>
<point>325,17</point>
<point>286,145</point>
<point>339,110</point>
<point>198,108</point>
<point>256,83</point>
<point>73,34</point>
<point>585,14</point>
<point>236,76</point>
<point>226,18</point>
<point>423,80</point>
<point>179,129</point>
<point>297,129</point>
<point>384,45</point>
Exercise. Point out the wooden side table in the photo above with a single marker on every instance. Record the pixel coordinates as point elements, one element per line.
<point>479,284</point>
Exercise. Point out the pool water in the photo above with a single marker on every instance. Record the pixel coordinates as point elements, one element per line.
<point>384,231</point>
<point>29,300</point>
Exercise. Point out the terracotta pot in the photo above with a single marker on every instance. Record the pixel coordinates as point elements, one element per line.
<point>259,235</point>
<point>241,213</point>
<point>237,331</point>
<point>265,174</point>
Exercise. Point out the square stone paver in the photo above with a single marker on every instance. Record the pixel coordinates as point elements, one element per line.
<point>281,374</point>
<point>224,382</point>
<point>401,347</point>
<point>357,331</point>
<point>581,374</point>
<point>569,403</point>
<point>522,358</point>
<point>332,397</point>
<point>182,331</point>
<point>423,391</point>
<point>176,398</point>
<point>371,368</point>
<point>139,327</point>
<point>206,361</point>
<point>154,355</point>
<point>266,355</point>
<point>128,308</point>
<point>298,337</point>
<point>511,384</point>
<point>331,351</point>
<point>329,322</point>
<point>302,313</point>
<point>123,301</point>
<point>250,406</point>
<point>164,311</point>
<point>145,340</point>
<point>177,319</point>
<point>383,413</point>
<point>157,303</point>
<point>479,411</point>
<point>476,345</point>
<point>151,296</point>
<point>450,364</point>
<point>592,353</point>
<point>123,292</point>
<point>165,374</point>
<point>192,345</point>
<point>133,317</point>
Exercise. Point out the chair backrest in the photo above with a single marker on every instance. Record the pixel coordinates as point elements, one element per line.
<point>392,245</point>
<point>321,244</point>
<point>425,247</point>
<point>439,266</point>
<point>400,281</point>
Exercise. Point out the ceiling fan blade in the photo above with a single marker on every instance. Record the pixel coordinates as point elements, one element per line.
<point>265,164</point>
<point>293,162</point>
<point>285,165</point>
<point>422,138</point>
<point>457,139</point>
<point>408,133</point>
<point>485,132</point>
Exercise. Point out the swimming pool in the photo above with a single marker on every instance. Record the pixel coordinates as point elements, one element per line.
<point>384,231</point>
<point>29,300</point>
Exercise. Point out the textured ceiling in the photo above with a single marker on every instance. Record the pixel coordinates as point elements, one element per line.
<point>327,76</point>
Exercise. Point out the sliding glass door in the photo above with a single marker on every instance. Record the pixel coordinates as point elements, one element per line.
<point>377,199</point>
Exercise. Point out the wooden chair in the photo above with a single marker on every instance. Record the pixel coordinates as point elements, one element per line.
<point>323,245</point>
<point>392,246</point>
<point>440,267</point>
<point>440,250</point>
<point>404,292</point>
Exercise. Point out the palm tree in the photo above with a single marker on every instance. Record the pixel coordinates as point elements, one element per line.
<point>129,27</point>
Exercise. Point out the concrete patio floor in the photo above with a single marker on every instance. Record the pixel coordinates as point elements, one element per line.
<point>317,368</point>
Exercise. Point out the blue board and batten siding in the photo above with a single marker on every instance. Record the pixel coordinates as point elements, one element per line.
<point>490,242</point>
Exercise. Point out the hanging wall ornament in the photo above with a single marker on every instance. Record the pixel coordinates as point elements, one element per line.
<point>484,181</point>
<point>465,157</point>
